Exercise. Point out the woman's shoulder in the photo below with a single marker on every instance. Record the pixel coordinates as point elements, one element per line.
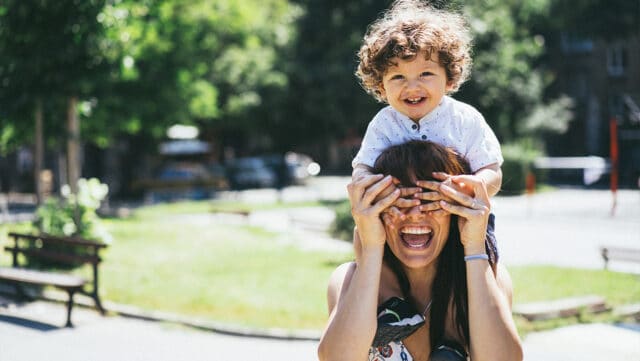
<point>343,272</point>
<point>340,278</point>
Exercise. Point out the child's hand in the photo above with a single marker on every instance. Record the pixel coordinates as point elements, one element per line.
<point>455,182</point>
<point>434,197</point>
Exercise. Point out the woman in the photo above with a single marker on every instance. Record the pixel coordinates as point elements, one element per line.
<point>431,260</point>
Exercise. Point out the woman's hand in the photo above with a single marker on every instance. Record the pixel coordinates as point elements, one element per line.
<point>467,197</point>
<point>366,208</point>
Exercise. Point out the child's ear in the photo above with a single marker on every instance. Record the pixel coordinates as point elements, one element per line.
<point>382,92</point>
<point>449,87</point>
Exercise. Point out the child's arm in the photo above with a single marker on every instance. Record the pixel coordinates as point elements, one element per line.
<point>361,170</point>
<point>492,176</point>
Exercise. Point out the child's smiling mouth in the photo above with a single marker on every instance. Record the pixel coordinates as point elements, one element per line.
<point>415,100</point>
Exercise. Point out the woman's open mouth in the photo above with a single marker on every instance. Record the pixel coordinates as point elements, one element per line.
<point>416,237</point>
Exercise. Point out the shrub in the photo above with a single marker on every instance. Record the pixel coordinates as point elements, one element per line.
<point>342,226</point>
<point>518,162</point>
<point>72,215</point>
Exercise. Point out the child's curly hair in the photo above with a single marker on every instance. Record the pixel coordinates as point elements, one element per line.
<point>407,28</point>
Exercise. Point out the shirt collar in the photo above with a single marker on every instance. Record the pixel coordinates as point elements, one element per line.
<point>435,113</point>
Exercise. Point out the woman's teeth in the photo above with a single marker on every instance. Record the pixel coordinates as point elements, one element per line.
<point>416,236</point>
<point>416,230</point>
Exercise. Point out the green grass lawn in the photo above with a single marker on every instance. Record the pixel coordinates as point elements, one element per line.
<point>163,260</point>
<point>221,272</point>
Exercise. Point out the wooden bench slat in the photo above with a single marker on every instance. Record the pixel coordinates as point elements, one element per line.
<point>56,239</point>
<point>619,254</point>
<point>627,253</point>
<point>56,256</point>
<point>65,281</point>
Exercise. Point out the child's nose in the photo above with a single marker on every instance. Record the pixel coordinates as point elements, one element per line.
<point>413,83</point>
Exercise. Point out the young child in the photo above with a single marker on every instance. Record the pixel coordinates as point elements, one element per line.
<point>412,58</point>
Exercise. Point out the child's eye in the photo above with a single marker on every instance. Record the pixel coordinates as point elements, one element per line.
<point>397,77</point>
<point>426,73</point>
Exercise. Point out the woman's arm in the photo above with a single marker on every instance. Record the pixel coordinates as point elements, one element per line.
<point>492,330</point>
<point>353,290</point>
<point>353,299</point>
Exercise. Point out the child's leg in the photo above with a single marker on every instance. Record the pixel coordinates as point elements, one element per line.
<point>491,244</point>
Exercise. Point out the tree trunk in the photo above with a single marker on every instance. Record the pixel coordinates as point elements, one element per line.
<point>39,152</point>
<point>73,153</point>
<point>73,145</point>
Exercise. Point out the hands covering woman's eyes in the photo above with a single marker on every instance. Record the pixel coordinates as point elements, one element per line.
<point>463,195</point>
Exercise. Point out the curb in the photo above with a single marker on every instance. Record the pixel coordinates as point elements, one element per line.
<point>129,311</point>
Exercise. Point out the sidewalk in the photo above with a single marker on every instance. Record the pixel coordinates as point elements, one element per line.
<point>112,338</point>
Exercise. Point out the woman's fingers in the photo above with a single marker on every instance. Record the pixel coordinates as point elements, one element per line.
<point>431,185</point>
<point>376,189</point>
<point>393,211</point>
<point>358,186</point>
<point>429,196</point>
<point>385,202</point>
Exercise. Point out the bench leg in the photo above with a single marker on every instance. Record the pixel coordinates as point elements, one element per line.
<point>96,299</point>
<point>69,308</point>
<point>22,295</point>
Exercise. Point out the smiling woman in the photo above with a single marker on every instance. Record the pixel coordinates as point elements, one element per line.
<point>429,265</point>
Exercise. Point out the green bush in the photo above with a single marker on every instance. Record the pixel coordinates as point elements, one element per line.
<point>518,162</point>
<point>342,226</point>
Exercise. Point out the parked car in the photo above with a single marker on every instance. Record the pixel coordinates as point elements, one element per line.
<point>251,172</point>
<point>292,168</point>
<point>182,180</point>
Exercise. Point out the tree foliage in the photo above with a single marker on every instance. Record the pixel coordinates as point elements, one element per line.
<point>49,50</point>
<point>139,66</point>
<point>202,61</point>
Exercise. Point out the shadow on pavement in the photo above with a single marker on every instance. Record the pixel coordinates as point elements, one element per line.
<point>35,325</point>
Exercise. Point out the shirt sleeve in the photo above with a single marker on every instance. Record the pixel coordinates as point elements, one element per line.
<point>373,143</point>
<point>483,147</point>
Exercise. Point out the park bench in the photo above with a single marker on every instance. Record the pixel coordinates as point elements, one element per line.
<point>620,254</point>
<point>61,250</point>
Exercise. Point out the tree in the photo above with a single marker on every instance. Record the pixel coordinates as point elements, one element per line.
<point>136,67</point>
<point>49,51</point>
<point>203,62</point>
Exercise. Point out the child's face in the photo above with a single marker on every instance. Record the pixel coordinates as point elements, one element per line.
<point>415,87</point>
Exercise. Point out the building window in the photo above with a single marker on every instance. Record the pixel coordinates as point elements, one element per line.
<point>574,44</point>
<point>616,60</point>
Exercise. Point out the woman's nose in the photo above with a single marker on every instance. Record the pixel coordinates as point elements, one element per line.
<point>414,211</point>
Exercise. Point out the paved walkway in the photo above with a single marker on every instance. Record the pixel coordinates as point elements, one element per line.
<point>97,338</point>
<point>562,228</point>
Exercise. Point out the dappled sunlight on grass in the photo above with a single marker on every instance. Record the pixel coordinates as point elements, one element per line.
<point>220,272</point>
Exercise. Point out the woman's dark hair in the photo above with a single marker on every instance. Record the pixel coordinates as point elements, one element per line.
<point>417,160</point>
